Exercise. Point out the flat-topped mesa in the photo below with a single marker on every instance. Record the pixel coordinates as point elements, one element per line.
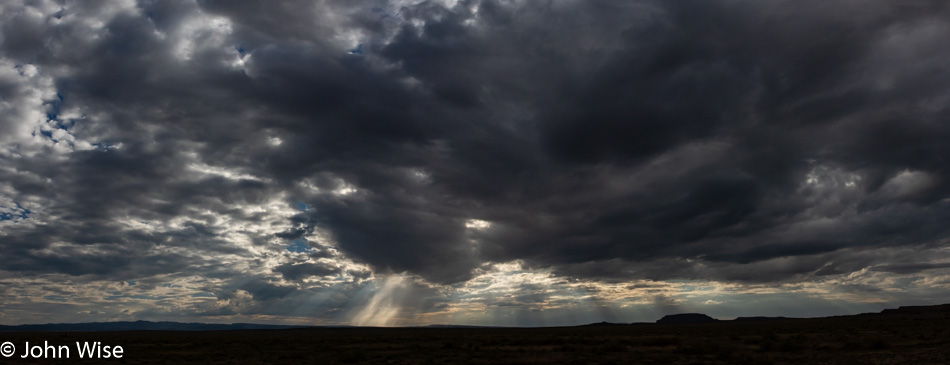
<point>683,318</point>
<point>922,309</point>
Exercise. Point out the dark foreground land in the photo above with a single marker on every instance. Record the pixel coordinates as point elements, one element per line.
<point>889,338</point>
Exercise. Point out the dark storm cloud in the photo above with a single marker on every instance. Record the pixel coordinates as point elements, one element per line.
<point>784,89</point>
<point>601,139</point>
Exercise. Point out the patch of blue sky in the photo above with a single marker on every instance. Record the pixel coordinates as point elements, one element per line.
<point>14,214</point>
<point>300,245</point>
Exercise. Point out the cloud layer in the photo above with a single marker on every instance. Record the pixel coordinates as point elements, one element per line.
<point>402,162</point>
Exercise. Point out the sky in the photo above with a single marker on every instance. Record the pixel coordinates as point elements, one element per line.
<point>481,162</point>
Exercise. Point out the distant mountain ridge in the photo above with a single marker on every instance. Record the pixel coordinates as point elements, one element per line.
<point>455,326</point>
<point>140,326</point>
<point>760,318</point>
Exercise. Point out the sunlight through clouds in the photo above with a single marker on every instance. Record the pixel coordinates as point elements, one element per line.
<point>383,307</point>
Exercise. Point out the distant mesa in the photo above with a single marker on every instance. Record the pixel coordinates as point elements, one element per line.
<point>685,318</point>
<point>927,309</point>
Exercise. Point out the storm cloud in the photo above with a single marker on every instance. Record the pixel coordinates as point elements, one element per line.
<point>401,162</point>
